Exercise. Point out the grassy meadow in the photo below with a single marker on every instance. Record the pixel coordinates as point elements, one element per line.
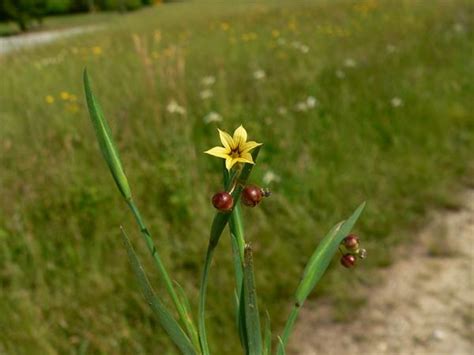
<point>367,100</point>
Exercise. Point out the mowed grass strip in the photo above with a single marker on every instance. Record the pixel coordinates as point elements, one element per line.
<point>354,101</point>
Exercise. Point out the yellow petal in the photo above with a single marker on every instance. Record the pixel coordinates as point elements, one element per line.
<point>248,146</point>
<point>226,140</point>
<point>229,163</point>
<point>245,160</point>
<point>219,152</point>
<point>240,136</point>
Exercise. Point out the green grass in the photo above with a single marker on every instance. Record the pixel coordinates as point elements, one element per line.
<point>65,281</point>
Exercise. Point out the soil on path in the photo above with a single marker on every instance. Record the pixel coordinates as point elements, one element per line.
<point>425,306</point>
<point>13,43</point>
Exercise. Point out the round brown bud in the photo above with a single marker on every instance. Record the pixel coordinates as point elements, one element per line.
<point>251,195</point>
<point>348,261</point>
<point>223,201</point>
<point>351,242</point>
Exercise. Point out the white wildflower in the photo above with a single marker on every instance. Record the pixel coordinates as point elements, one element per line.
<point>391,48</point>
<point>270,177</point>
<point>311,102</point>
<point>212,117</point>
<point>208,80</point>
<point>206,94</point>
<point>259,74</point>
<point>296,44</point>
<point>304,49</point>
<point>458,27</point>
<point>301,106</point>
<point>300,46</point>
<point>350,63</point>
<point>282,110</point>
<point>173,107</point>
<point>396,102</point>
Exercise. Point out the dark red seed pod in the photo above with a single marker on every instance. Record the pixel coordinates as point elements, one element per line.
<point>223,201</point>
<point>351,242</point>
<point>348,260</point>
<point>251,195</point>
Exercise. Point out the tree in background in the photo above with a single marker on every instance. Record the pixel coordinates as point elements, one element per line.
<point>23,12</point>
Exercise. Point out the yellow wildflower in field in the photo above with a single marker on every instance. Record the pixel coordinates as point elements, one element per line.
<point>157,36</point>
<point>97,50</point>
<point>275,33</point>
<point>225,26</point>
<point>250,36</point>
<point>292,25</point>
<point>49,99</point>
<point>64,95</point>
<point>235,149</point>
<point>72,107</point>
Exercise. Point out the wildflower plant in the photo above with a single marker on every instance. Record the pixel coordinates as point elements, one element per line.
<point>240,156</point>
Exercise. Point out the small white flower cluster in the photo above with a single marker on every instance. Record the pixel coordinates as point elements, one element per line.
<point>44,62</point>
<point>391,48</point>
<point>282,110</point>
<point>212,117</point>
<point>350,63</point>
<point>303,48</point>
<point>270,177</point>
<point>259,74</point>
<point>307,104</point>
<point>174,107</point>
<point>396,102</point>
<point>206,94</point>
<point>207,82</point>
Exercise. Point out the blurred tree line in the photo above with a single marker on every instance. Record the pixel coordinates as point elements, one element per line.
<point>25,12</point>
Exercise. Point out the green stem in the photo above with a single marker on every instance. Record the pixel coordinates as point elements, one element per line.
<point>288,328</point>
<point>218,225</point>
<point>183,316</point>
<point>202,302</point>
<point>238,247</point>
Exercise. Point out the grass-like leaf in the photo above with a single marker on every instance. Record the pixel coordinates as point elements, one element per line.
<point>252,318</point>
<point>322,256</point>
<point>106,143</point>
<point>169,324</point>
<point>316,267</point>
<point>267,336</point>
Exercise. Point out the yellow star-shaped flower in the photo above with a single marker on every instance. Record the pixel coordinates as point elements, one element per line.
<point>235,149</point>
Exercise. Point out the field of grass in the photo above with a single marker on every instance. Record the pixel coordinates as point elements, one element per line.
<point>392,124</point>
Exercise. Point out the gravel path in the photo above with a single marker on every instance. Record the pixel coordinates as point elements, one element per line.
<point>426,305</point>
<point>13,43</point>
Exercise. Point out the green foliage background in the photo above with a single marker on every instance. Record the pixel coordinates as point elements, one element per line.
<point>65,282</point>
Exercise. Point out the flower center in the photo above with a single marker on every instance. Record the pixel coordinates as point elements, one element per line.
<point>235,153</point>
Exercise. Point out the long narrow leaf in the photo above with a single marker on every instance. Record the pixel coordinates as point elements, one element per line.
<point>169,324</point>
<point>106,143</point>
<point>238,245</point>
<point>317,265</point>
<point>252,318</point>
<point>187,319</point>
<point>267,337</point>
<point>322,256</point>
